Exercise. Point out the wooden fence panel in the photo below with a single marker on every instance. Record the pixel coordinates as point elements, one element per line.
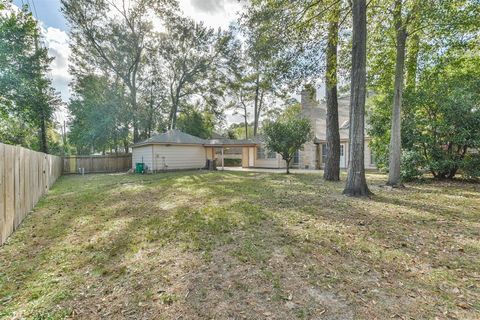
<point>25,176</point>
<point>2,193</point>
<point>97,164</point>
<point>9,189</point>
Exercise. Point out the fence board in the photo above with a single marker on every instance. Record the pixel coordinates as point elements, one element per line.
<point>25,176</point>
<point>97,164</point>
<point>2,193</point>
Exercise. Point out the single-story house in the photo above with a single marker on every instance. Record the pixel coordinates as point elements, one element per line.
<point>177,150</point>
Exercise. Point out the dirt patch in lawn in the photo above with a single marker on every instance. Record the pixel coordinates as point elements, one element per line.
<point>192,245</point>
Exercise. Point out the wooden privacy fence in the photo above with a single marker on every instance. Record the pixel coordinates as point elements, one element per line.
<point>97,164</point>
<point>25,176</point>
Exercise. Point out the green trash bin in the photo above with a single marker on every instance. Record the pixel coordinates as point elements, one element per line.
<point>139,167</point>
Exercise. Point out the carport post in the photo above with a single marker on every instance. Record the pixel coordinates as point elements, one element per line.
<point>223,163</point>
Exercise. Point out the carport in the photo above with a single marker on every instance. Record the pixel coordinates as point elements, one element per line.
<point>248,150</point>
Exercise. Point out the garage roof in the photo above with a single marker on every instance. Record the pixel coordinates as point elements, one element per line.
<point>178,137</point>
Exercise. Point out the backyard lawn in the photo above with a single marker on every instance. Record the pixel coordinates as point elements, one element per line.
<point>233,245</point>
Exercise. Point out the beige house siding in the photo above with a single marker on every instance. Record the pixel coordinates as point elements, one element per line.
<point>278,162</point>
<point>178,157</point>
<point>311,156</point>
<point>308,156</point>
<point>344,164</point>
<point>142,154</point>
<point>173,157</point>
<point>275,163</point>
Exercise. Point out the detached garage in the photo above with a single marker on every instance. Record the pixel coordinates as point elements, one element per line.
<point>177,150</point>
<point>172,150</point>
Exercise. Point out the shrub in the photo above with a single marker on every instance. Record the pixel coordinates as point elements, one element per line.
<point>471,166</point>
<point>232,162</point>
<point>412,163</point>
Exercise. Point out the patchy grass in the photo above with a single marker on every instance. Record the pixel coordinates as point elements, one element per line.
<point>230,245</point>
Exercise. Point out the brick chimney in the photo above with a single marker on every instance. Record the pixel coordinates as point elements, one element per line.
<point>308,97</point>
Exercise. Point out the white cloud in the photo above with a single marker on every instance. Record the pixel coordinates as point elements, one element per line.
<point>211,6</point>
<point>56,41</point>
<point>214,13</point>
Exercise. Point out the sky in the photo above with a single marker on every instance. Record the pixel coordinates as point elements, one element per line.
<point>214,13</point>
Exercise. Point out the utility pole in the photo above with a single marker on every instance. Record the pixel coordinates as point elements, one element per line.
<point>43,124</point>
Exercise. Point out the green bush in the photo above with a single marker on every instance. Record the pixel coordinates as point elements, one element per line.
<point>232,162</point>
<point>412,162</point>
<point>471,166</point>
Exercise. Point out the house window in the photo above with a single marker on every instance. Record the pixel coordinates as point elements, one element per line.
<point>262,153</point>
<point>325,151</point>
<point>296,157</point>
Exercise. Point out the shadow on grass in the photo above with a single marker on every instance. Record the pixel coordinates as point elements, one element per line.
<point>205,244</point>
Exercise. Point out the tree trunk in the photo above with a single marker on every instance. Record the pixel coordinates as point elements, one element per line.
<point>356,184</point>
<point>245,115</point>
<point>288,166</point>
<point>150,115</point>
<point>246,127</point>
<point>173,122</point>
<point>332,163</point>
<point>43,117</point>
<point>133,96</point>
<point>256,106</point>
<point>43,133</point>
<point>174,110</point>
<point>395,135</point>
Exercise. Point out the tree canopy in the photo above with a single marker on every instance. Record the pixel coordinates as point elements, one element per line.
<point>27,98</point>
<point>288,134</point>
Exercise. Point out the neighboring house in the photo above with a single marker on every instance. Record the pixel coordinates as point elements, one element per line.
<point>314,153</point>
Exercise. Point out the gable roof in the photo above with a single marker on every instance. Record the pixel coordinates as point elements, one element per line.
<point>178,137</point>
<point>172,137</point>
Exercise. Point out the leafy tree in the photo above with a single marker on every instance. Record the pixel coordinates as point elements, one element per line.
<point>307,37</point>
<point>447,115</point>
<point>187,61</point>
<point>260,74</point>
<point>430,29</point>
<point>27,98</point>
<point>237,130</point>
<point>288,134</point>
<point>356,184</point>
<point>196,123</point>
<point>97,122</point>
<point>400,32</point>
<point>112,36</point>
<point>236,83</point>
